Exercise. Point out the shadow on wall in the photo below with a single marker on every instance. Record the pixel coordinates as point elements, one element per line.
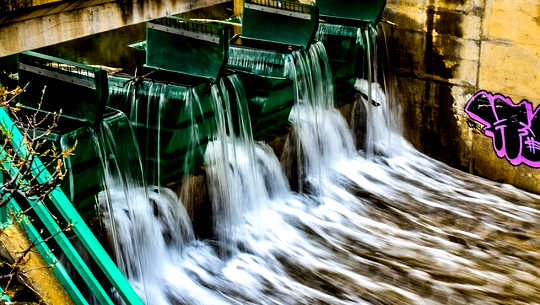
<point>424,75</point>
<point>111,48</point>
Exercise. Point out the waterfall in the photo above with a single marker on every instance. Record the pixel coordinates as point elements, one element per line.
<point>170,121</point>
<point>145,223</point>
<point>390,226</point>
<point>321,132</point>
<point>256,61</point>
<point>378,97</point>
<point>242,175</point>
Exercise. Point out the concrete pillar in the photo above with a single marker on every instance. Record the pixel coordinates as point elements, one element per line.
<point>238,7</point>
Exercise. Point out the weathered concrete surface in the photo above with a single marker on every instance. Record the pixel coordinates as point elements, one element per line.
<point>8,6</point>
<point>446,50</point>
<point>69,20</point>
<point>14,243</point>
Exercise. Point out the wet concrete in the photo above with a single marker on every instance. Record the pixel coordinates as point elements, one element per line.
<point>437,50</point>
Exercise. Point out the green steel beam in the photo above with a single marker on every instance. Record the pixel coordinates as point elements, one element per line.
<point>50,259</point>
<point>68,211</point>
<point>62,240</point>
<point>4,297</point>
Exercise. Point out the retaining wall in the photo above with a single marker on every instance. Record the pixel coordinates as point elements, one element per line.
<point>444,51</point>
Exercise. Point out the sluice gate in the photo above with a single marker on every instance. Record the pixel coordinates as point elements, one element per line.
<point>162,112</point>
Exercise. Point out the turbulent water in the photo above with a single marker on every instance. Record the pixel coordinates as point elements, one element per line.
<point>385,225</point>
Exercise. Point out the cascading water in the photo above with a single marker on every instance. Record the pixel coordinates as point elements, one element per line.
<point>321,132</point>
<point>388,227</point>
<point>143,222</point>
<point>170,121</point>
<point>383,114</point>
<point>414,219</point>
<point>240,180</point>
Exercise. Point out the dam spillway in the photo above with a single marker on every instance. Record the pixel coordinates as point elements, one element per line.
<point>229,172</point>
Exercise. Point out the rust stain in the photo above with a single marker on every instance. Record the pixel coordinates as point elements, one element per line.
<point>537,18</point>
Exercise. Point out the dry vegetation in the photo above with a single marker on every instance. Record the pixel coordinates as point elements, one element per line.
<point>19,183</point>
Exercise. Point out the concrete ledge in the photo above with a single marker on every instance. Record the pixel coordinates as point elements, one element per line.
<point>66,21</point>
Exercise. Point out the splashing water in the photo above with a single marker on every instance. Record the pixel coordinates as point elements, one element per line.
<point>321,132</point>
<point>242,176</point>
<point>390,227</point>
<point>144,223</point>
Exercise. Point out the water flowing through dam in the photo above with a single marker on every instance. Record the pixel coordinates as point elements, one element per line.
<point>381,225</point>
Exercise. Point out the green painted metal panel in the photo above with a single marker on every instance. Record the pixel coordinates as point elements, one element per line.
<point>269,91</point>
<point>163,116</point>
<point>351,11</point>
<point>70,214</point>
<point>188,47</point>
<point>271,124</point>
<point>78,90</point>
<point>267,94</point>
<point>345,47</point>
<point>284,22</point>
<point>46,253</point>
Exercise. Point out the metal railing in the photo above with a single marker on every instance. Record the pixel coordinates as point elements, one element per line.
<point>76,223</point>
<point>78,90</point>
<point>285,5</point>
<point>189,25</point>
<point>58,65</point>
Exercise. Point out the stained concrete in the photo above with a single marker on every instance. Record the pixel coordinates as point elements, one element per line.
<point>36,273</point>
<point>444,51</point>
<point>68,20</point>
<point>10,6</point>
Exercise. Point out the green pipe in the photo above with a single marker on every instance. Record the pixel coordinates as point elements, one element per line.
<point>68,211</point>
<point>57,269</point>
<point>4,296</point>
<point>64,243</point>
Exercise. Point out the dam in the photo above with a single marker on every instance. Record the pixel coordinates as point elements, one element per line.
<point>255,152</point>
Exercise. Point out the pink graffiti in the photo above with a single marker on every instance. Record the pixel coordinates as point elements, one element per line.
<point>513,128</point>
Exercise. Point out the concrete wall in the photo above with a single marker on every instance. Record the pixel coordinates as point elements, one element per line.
<point>68,20</point>
<point>446,50</point>
<point>7,6</point>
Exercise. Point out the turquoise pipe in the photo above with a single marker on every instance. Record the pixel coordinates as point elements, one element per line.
<point>70,214</point>
<point>4,296</point>
<point>57,269</point>
<point>62,240</point>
